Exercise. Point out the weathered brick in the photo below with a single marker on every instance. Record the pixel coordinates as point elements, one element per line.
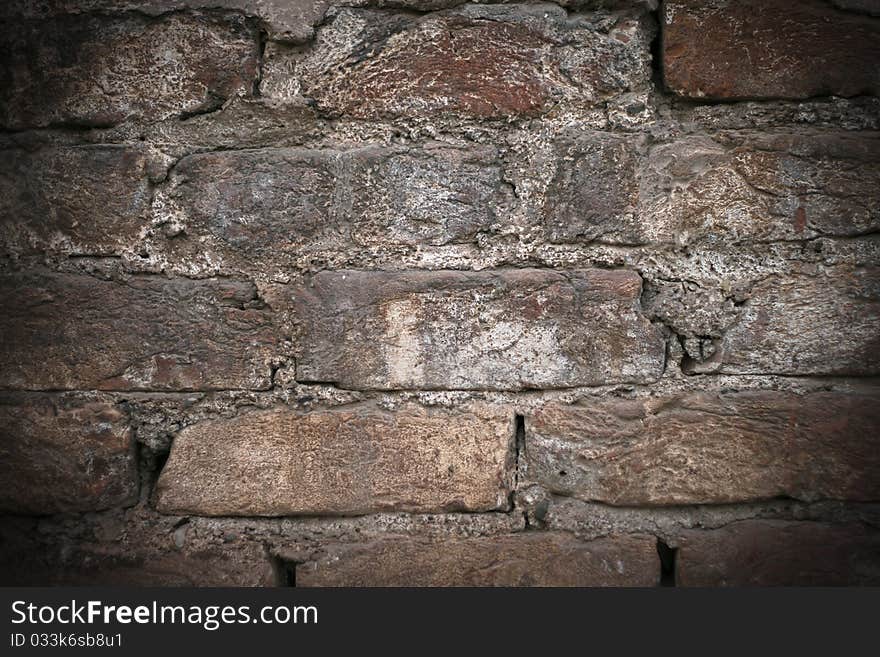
<point>64,454</point>
<point>284,20</point>
<point>71,331</point>
<point>593,194</point>
<point>477,61</point>
<point>709,448</point>
<point>87,200</point>
<point>99,69</point>
<point>779,553</point>
<point>138,556</point>
<point>798,324</point>
<point>760,188</point>
<point>347,461</point>
<point>502,330</point>
<point>768,49</point>
<point>526,559</point>
<point>266,208</point>
<point>243,123</point>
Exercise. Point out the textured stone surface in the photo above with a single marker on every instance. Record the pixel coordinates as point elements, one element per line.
<point>768,49</point>
<point>526,559</point>
<point>265,208</point>
<point>502,330</point>
<point>593,193</point>
<point>823,324</point>
<point>61,454</point>
<point>89,200</point>
<point>142,558</point>
<point>284,20</point>
<point>834,113</point>
<point>698,315</point>
<point>776,553</point>
<point>709,448</point>
<point>69,331</point>
<point>478,61</point>
<point>103,69</point>
<point>439,292</point>
<point>243,123</point>
<point>348,461</point>
<point>760,188</point>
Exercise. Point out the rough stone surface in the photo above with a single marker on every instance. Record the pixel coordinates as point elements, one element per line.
<point>768,49</point>
<point>823,324</point>
<point>818,114</point>
<point>85,69</point>
<point>60,454</point>
<point>132,558</point>
<point>760,188</point>
<point>348,461</point>
<point>480,61</point>
<point>698,315</point>
<point>709,448</point>
<point>593,194</point>
<point>261,209</point>
<point>503,330</point>
<point>438,292</point>
<point>284,20</point>
<point>776,553</point>
<point>88,200</point>
<point>526,559</point>
<point>62,331</point>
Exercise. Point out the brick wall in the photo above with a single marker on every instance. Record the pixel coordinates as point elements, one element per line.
<point>429,292</point>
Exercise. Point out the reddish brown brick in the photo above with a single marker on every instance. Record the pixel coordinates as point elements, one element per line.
<point>768,49</point>
<point>70,331</point>
<point>347,461</point>
<point>483,62</point>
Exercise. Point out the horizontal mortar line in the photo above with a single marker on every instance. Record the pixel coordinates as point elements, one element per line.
<point>803,377</point>
<point>659,384</point>
<point>373,395</point>
<point>718,506</point>
<point>134,392</point>
<point>712,506</point>
<point>681,102</point>
<point>328,516</point>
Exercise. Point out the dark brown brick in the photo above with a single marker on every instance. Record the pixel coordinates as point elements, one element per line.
<point>768,49</point>
<point>70,331</point>
<point>87,200</point>
<point>593,194</point>
<point>102,69</point>
<point>526,559</point>
<point>271,208</point>
<point>709,448</point>
<point>137,556</point>
<point>501,330</point>
<point>353,460</point>
<point>64,453</point>
<point>779,553</point>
